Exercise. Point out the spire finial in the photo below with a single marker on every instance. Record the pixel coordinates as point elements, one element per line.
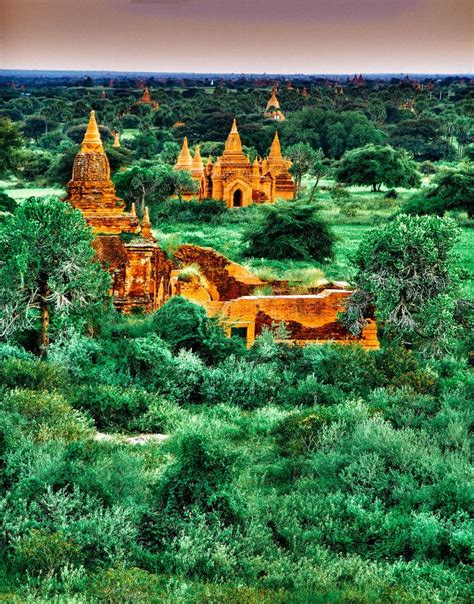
<point>184,161</point>
<point>146,224</point>
<point>92,141</point>
<point>234,126</point>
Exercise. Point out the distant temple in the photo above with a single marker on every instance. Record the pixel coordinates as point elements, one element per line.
<point>146,99</point>
<point>273,110</point>
<point>234,179</point>
<point>144,278</point>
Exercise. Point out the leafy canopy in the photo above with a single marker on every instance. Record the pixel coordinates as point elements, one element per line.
<point>409,272</point>
<point>377,165</point>
<point>290,230</point>
<point>47,264</point>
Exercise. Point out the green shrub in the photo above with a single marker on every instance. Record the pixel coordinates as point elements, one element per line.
<point>293,231</point>
<point>43,552</point>
<point>31,373</point>
<point>241,382</point>
<point>48,416</point>
<point>184,325</point>
<point>125,586</point>
<point>112,407</point>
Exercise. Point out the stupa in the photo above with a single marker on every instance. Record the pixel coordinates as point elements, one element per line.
<point>273,110</point>
<point>124,245</point>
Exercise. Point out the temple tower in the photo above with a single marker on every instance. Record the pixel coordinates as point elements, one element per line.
<point>184,161</point>
<point>92,191</point>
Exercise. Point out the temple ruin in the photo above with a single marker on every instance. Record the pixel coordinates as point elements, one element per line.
<point>144,278</point>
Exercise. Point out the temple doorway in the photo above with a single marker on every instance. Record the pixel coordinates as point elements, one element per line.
<point>237,199</point>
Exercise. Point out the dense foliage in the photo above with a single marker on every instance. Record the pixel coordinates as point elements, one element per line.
<point>47,269</point>
<point>290,231</point>
<point>376,166</point>
<point>150,458</point>
<point>408,271</point>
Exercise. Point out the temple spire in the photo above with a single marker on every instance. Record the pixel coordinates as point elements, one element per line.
<point>197,164</point>
<point>146,224</point>
<point>275,149</point>
<point>233,143</point>
<point>273,102</point>
<point>184,161</point>
<point>116,140</point>
<point>92,142</point>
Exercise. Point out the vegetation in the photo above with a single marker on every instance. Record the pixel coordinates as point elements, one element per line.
<point>150,458</point>
<point>376,166</point>
<point>294,232</point>
<point>47,270</point>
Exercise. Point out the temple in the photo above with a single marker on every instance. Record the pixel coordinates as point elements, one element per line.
<point>146,99</point>
<point>144,278</point>
<point>121,242</point>
<point>233,178</point>
<point>273,110</point>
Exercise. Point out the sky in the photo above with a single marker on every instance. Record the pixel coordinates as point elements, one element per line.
<point>241,36</point>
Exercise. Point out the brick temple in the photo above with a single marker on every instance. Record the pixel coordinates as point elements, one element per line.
<point>144,278</point>
<point>233,178</point>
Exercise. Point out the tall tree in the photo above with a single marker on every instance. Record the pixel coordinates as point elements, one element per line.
<point>47,268</point>
<point>408,271</point>
<point>149,184</point>
<point>303,158</point>
<point>376,165</point>
<point>10,145</point>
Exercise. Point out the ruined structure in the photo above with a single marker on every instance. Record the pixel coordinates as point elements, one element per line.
<point>234,179</point>
<point>122,243</point>
<point>144,278</point>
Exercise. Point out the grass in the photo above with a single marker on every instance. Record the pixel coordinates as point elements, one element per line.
<point>22,194</point>
<point>227,237</point>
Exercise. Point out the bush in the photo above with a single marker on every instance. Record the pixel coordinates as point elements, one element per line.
<point>48,416</point>
<point>196,212</point>
<point>42,552</point>
<point>241,382</point>
<point>290,231</point>
<point>184,325</point>
<point>113,408</point>
<point>7,203</point>
<point>21,372</point>
<point>125,585</point>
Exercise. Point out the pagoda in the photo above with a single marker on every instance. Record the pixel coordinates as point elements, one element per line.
<point>146,99</point>
<point>234,179</point>
<point>273,110</point>
<point>123,244</point>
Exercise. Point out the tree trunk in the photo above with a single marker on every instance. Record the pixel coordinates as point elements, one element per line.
<point>44,316</point>
<point>44,335</point>
<point>313,190</point>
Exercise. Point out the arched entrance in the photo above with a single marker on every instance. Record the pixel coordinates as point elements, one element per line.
<point>237,199</point>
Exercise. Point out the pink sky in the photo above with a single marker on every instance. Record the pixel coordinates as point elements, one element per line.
<point>286,36</point>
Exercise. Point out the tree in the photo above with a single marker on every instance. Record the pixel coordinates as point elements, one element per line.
<point>303,158</point>
<point>146,185</point>
<point>376,165</point>
<point>7,203</point>
<point>47,266</point>
<point>408,271</point>
<point>10,145</point>
<point>317,171</point>
<point>423,137</point>
<point>36,125</point>
<point>453,190</point>
<point>290,231</point>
